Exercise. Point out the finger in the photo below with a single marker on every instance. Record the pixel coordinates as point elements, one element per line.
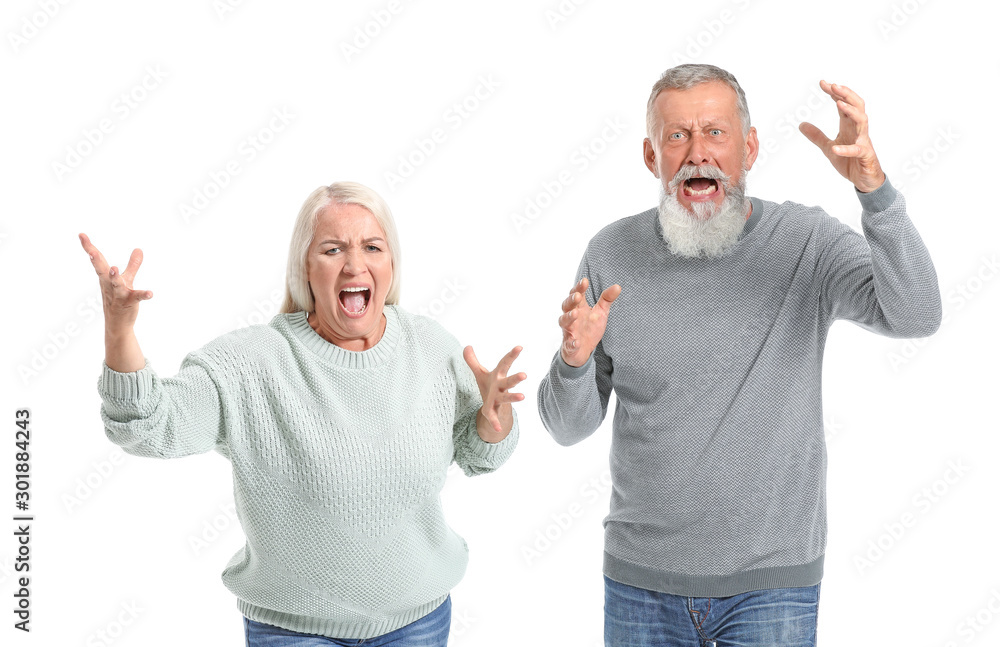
<point>571,301</point>
<point>494,420</point>
<point>815,135</point>
<point>856,115</point>
<point>470,359</point>
<point>508,398</point>
<point>566,320</point>
<point>142,295</point>
<point>134,261</point>
<point>608,297</point>
<point>96,257</point>
<point>848,95</point>
<point>849,150</point>
<point>511,381</point>
<point>507,360</point>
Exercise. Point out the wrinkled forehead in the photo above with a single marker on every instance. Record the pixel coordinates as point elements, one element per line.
<point>346,222</point>
<point>706,102</point>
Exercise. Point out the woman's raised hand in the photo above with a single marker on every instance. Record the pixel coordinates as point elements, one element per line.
<point>496,418</point>
<point>121,307</point>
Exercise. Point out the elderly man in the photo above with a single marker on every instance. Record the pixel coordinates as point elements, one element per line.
<point>714,347</point>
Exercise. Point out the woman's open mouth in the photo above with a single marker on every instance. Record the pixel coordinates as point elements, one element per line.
<point>355,300</point>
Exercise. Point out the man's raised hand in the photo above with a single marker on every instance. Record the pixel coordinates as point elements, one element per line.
<point>582,325</point>
<point>851,153</point>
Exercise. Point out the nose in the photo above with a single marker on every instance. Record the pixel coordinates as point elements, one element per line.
<point>697,151</point>
<point>353,262</point>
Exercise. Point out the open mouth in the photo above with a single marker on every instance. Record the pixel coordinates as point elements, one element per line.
<point>354,301</point>
<point>700,187</point>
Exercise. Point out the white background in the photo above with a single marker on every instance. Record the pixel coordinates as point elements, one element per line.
<point>128,551</point>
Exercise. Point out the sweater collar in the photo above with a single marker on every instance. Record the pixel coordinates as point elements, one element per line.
<point>377,354</point>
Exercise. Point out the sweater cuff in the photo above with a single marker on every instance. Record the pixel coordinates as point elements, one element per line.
<point>573,372</point>
<point>126,386</point>
<point>879,199</point>
<point>491,452</point>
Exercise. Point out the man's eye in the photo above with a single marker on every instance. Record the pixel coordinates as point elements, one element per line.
<point>716,132</point>
<point>676,135</point>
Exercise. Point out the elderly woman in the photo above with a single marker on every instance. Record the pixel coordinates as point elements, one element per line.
<point>340,418</point>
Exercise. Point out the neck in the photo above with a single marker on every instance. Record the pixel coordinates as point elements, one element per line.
<point>356,344</point>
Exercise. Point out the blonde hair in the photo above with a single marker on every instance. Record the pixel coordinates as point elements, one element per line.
<point>297,294</point>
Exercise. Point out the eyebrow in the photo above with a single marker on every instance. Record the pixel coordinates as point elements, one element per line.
<point>341,242</point>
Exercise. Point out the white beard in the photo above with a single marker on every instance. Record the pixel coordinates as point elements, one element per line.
<point>712,230</point>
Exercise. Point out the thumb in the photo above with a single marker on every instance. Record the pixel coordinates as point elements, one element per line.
<point>815,135</point>
<point>470,358</point>
<point>608,297</point>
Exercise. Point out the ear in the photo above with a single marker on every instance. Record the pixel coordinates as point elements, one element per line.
<point>649,157</point>
<point>752,147</point>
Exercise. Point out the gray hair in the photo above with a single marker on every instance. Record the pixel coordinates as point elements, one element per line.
<point>297,294</point>
<point>687,76</point>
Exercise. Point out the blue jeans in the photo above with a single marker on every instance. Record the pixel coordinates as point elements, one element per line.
<point>429,631</point>
<point>635,617</point>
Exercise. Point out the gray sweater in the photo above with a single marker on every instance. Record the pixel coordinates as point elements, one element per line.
<point>718,456</point>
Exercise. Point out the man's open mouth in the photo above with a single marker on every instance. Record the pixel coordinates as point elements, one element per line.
<point>355,300</point>
<point>700,187</point>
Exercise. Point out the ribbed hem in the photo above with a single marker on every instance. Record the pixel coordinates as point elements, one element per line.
<point>126,386</point>
<point>374,356</point>
<point>573,372</point>
<point>713,586</point>
<point>879,199</point>
<point>499,451</point>
<point>333,628</point>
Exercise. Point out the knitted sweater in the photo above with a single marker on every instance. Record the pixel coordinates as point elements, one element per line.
<point>338,460</point>
<point>718,458</point>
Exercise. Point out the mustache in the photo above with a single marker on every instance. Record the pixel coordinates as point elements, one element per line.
<point>685,173</point>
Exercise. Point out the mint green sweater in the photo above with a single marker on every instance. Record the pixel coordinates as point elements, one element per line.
<point>338,460</point>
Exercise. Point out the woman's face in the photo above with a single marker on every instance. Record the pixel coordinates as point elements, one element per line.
<point>349,269</point>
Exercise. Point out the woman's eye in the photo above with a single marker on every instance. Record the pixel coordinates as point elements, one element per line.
<point>332,250</point>
<point>373,248</point>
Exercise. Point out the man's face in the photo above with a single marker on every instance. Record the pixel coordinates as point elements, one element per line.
<point>699,127</point>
